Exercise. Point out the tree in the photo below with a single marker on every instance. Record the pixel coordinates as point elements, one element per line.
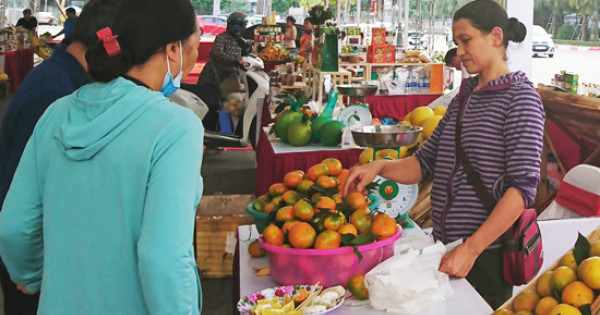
<point>203,7</point>
<point>557,7</point>
<point>585,8</point>
<point>446,8</point>
<point>283,6</point>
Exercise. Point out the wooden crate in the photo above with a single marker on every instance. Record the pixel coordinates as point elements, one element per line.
<point>592,237</point>
<point>217,220</point>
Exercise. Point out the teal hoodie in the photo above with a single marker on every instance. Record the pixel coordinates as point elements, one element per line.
<point>100,215</point>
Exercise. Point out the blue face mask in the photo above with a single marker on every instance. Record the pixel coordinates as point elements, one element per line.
<point>171,85</point>
<point>237,30</point>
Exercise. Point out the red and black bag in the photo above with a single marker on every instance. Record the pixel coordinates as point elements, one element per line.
<point>522,243</point>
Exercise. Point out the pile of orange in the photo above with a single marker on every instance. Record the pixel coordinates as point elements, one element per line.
<point>309,212</point>
<point>562,290</point>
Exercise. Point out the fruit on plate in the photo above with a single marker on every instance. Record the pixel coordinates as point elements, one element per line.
<point>274,53</point>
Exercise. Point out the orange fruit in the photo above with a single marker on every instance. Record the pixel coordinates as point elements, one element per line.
<point>287,226</point>
<point>304,186</point>
<point>300,296</point>
<point>277,200</point>
<point>269,207</point>
<point>334,166</point>
<point>564,309</point>
<point>356,285</point>
<point>328,239</point>
<point>333,221</point>
<point>292,179</point>
<point>577,294</point>
<point>260,203</point>
<point>545,305</point>
<point>315,197</point>
<point>356,200</point>
<point>589,272</point>
<point>255,250</point>
<point>317,171</point>
<point>562,276</point>
<point>303,210</point>
<point>384,226</point>
<point>526,300</point>
<point>290,197</point>
<point>337,198</point>
<point>327,181</point>
<point>348,228</point>
<point>302,235</point>
<point>342,178</point>
<point>277,189</point>
<point>361,220</point>
<point>285,214</point>
<point>273,235</point>
<point>325,203</point>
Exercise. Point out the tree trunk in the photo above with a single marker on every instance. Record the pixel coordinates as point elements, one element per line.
<point>594,31</point>
<point>585,35</point>
<point>555,21</point>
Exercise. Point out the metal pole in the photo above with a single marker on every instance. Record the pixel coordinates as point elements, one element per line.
<point>338,10</point>
<point>358,8</point>
<point>405,35</point>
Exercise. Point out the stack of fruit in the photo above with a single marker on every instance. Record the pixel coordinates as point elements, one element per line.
<point>571,288</point>
<point>307,211</point>
<point>300,129</point>
<point>274,53</point>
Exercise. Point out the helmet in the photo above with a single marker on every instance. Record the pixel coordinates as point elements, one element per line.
<point>236,23</point>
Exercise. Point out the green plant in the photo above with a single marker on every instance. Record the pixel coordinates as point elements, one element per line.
<point>318,14</point>
<point>565,31</point>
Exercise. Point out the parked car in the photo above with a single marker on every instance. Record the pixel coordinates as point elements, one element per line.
<point>248,33</point>
<point>542,42</point>
<point>211,25</point>
<point>46,18</point>
<point>255,20</point>
<point>418,40</point>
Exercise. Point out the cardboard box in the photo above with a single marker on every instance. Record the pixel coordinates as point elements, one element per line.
<point>378,36</point>
<point>378,54</point>
<point>571,82</point>
<point>390,54</point>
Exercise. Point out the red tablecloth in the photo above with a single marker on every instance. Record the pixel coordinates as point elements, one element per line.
<point>569,152</point>
<point>17,64</point>
<point>397,106</point>
<point>272,167</point>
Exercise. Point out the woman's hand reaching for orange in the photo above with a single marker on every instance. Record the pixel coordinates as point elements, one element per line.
<point>360,176</point>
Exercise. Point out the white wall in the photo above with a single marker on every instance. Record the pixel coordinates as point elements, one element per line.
<point>519,55</point>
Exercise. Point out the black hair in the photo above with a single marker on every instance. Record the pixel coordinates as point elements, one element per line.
<point>143,27</point>
<point>70,10</point>
<point>26,11</point>
<point>291,19</point>
<point>96,15</point>
<point>484,15</point>
<point>449,58</point>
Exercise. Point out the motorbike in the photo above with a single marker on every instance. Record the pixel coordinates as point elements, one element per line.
<point>244,127</point>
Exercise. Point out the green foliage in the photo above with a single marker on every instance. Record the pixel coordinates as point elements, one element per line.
<point>283,6</point>
<point>581,250</point>
<point>203,7</point>
<point>565,31</point>
<point>446,8</point>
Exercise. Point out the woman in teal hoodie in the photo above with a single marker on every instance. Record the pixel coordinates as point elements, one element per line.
<point>99,217</point>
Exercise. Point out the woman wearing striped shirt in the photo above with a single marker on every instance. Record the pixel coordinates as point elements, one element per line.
<point>502,136</point>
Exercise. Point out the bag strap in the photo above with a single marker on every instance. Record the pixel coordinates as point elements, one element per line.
<point>473,177</point>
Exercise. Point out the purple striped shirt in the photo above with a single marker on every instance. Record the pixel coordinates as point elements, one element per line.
<point>503,130</point>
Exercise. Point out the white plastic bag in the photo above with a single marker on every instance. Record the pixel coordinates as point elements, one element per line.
<point>409,282</point>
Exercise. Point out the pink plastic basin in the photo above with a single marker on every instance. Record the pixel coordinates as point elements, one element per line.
<point>330,267</point>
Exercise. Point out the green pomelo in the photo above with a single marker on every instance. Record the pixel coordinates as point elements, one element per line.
<point>299,133</point>
<point>284,122</point>
<point>331,133</point>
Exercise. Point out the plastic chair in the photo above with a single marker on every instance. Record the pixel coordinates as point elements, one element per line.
<point>586,177</point>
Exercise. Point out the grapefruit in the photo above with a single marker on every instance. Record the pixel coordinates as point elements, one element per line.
<point>299,133</point>
<point>331,133</point>
<point>284,123</point>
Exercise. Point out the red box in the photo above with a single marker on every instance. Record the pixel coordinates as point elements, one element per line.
<point>378,36</point>
<point>390,54</point>
<point>378,54</point>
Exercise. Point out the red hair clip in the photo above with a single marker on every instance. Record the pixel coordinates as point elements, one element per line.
<point>111,45</point>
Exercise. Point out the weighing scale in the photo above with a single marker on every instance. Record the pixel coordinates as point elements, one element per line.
<point>396,199</point>
<point>357,112</point>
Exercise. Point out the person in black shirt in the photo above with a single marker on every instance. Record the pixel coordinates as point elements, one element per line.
<point>28,21</point>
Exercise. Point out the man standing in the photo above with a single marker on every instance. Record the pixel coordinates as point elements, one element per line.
<point>68,27</point>
<point>61,75</point>
<point>28,21</point>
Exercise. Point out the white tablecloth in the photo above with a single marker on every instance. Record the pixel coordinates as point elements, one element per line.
<point>281,147</point>
<point>464,300</point>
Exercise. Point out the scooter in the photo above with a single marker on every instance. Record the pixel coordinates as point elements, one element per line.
<point>256,83</point>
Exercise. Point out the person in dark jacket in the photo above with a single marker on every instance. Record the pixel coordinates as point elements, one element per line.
<point>28,21</point>
<point>59,76</point>
<point>218,78</point>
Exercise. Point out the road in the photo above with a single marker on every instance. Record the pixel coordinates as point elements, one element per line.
<point>583,63</point>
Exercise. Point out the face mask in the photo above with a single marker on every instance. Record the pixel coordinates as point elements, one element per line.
<point>171,85</point>
<point>308,32</point>
<point>237,30</point>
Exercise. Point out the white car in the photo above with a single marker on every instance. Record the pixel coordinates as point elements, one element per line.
<point>46,18</point>
<point>542,42</point>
